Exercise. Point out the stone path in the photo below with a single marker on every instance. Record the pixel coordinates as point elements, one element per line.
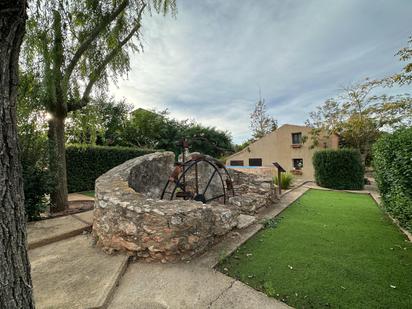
<point>74,197</point>
<point>69,272</point>
<point>44,232</point>
<point>73,274</point>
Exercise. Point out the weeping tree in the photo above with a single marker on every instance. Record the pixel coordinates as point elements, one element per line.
<point>76,47</point>
<point>15,281</point>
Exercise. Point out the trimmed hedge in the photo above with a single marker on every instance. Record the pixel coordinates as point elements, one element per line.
<point>392,161</point>
<point>86,163</point>
<point>340,169</point>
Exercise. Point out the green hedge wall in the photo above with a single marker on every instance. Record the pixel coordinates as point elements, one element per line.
<point>86,163</point>
<point>339,169</point>
<point>392,161</point>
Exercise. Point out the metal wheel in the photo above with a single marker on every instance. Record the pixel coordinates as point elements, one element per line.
<point>202,178</point>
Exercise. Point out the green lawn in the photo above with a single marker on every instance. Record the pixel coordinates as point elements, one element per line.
<point>88,193</point>
<point>328,250</point>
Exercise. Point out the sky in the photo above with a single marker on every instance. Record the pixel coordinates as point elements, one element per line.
<point>209,62</point>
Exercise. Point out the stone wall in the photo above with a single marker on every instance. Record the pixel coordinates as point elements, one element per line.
<point>129,216</point>
<point>142,225</point>
<point>252,192</point>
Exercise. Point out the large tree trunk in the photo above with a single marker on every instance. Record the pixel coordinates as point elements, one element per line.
<point>15,280</point>
<point>57,164</point>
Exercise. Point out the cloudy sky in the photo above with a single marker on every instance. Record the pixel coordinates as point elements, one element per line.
<point>209,62</point>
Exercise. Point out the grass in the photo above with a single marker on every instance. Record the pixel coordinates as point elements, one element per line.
<point>88,193</point>
<point>328,250</point>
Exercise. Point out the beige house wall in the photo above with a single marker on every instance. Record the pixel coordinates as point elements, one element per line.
<point>277,147</point>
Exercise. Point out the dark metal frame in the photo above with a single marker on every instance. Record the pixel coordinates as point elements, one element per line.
<point>193,163</point>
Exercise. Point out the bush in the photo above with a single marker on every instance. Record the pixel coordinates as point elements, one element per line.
<point>392,161</point>
<point>36,179</point>
<point>339,169</point>
<point>285,180</point>
<point>86,163</point>
<point>37,184</point>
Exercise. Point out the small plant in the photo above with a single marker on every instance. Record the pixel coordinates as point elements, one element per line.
<point>286,180</point>
<point>271,223</point>
<point>222,255</point>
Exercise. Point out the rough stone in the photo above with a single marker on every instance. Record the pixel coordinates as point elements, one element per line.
<point>129,215</point>
<point>252,192</point>
<point>244,221</point>
<point>138,222</point>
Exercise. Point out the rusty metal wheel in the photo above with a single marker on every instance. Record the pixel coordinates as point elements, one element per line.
<point>202,178</point>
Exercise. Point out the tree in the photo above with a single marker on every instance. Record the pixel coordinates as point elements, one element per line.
<point>156,130</point>
<point>75,46</point>
<point>361,113</point>
<point>15,280</point>
<point>358,115</point>
<point>405,76</point>
<point>260,123</point>
<point>101,122</point>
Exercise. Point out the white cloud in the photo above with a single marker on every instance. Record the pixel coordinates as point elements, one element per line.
<point>209,63</point>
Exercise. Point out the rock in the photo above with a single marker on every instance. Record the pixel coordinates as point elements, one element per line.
<point>150,177</point>
<point>252,192</point>
<point>244,221</point>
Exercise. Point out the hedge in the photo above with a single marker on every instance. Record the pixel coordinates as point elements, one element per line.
<point>392,161</point>
<point>86,163</point>
<point>340,169</point>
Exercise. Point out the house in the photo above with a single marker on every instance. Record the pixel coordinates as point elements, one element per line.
<point>290,145</point>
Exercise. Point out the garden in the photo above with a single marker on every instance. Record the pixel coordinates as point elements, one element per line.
<point>328,250</point>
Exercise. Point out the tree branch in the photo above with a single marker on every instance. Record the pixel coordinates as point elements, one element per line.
<point>96,74</point>
<point>92,36</point>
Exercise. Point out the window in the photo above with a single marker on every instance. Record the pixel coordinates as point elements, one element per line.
<point>255,162</point>
<point>296,138</point>
<point>297,164</point>
<point>236,163</point>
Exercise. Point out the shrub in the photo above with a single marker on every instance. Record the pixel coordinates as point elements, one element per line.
<point>86,163</point>
<point>392,161</point>
<point>285,180</point>
<point>36,179</point>
<point>339,169</point>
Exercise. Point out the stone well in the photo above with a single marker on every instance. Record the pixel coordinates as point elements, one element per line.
<point>129,216</point>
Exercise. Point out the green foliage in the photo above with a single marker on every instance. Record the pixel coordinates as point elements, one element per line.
<point>33,146</point>
<point>242,146</point>
<point>86,163</point>
<point>101,122</point>
<point>271,223</point>
<point>330,250</point>
<point>339,169</point>
<point>392,160</point>
<point>285,180</point>
<point>156,130</point>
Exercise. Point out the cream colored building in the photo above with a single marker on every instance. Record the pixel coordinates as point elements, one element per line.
<point>289,145</point>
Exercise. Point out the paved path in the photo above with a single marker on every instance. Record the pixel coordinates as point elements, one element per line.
<point>74,197</point>
<point>44,232</point>
<point>72,273</point>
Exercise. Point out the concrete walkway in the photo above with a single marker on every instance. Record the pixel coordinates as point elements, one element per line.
<point>40,233</point>
<point>69,272</point>
<point>72,273</point>
<point>75,197</point>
